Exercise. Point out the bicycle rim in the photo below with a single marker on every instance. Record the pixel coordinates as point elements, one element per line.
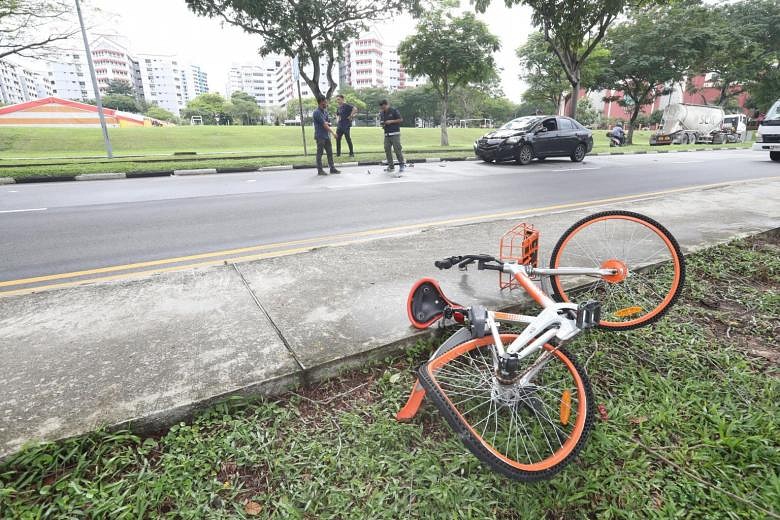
<point>648,259</point>
<point>528,431</point>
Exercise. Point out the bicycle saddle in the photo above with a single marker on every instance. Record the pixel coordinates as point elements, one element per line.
<point>427,303</point>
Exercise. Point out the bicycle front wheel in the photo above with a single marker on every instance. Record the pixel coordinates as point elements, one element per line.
<point>650,267</point>
<point>527,431</point>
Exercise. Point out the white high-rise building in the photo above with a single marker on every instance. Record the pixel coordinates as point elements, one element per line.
<point>162,81</point>
<point>270,81</point>
<point>19,84</point>
<point>195,81</point>
<point>112,62</point>
<point>369,62</point>
<point>68,77</point>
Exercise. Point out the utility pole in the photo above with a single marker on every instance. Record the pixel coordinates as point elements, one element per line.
<point>297,76</point>
<point>102,117</point>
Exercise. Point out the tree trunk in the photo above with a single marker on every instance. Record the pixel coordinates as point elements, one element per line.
<point>575,94</point>
<point>634,115</point>
<point>445,139</point>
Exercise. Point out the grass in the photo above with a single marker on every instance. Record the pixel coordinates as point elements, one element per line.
<point>30,152</point>
<point>691,432</point>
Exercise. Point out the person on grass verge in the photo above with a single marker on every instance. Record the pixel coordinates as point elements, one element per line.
<point>346,113</point>
<point>391,120</point>
<point>322,132</point>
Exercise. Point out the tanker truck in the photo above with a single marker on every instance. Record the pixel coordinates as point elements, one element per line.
<point>685,123</point>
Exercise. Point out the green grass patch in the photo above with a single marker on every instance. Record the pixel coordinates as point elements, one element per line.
<point>31,152</point>
<point>691,433</point>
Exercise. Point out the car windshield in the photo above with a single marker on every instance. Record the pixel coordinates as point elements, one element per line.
<point>521,123</point>
<point>774,112</point>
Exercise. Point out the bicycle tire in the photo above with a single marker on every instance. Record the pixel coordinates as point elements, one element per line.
<point>488,452</point>
<point>676,261</point>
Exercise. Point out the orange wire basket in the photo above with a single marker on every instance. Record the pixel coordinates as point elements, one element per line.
<point>521,245</point>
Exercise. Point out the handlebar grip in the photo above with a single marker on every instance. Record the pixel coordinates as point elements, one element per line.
<point>447,262</point>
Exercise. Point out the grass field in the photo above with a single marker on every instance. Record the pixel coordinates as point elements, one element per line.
<point>690,432</point>
<point>31,152</point>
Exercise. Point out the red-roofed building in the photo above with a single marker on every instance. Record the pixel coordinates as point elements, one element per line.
<point>56,112</point>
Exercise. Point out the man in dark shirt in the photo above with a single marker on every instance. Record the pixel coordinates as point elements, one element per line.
<point>322,131</point>
<point>391,120</point>
<point>345,113</point>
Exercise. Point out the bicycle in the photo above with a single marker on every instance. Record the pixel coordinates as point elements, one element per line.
<point>518,400</point>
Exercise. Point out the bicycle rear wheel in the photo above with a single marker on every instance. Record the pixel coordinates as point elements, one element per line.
<point>650,265</point>
<point>527,432</point>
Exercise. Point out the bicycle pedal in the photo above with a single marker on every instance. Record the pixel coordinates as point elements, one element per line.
<point>588,314</point>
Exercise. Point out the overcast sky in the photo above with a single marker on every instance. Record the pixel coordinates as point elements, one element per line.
<point>168,27</point>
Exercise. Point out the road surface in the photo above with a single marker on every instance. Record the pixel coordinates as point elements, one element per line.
<point>62,233</point>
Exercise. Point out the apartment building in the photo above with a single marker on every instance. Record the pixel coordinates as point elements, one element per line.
<point>370,62</point>
<point>19,84</point>
<point>270,81</point>
<point>161,79</point>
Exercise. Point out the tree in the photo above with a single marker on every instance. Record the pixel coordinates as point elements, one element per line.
<point>646,54</point>
<point>451,51</point>
<point>573,29</point>
<point>310,30</point>
<point>211,106</point>
<point>244,108</point>
<point>742,47</point>
<point>120,87</point>
<point>415,103</point>
<point>546,78</point>
<point>369,98</point>
<point>31,27</point>
<point>160,113</point>
<point>294,111</point>
<point>121,102</point>
<point>586,114</point>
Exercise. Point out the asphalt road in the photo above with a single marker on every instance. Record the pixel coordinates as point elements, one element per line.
<point>53,228</point>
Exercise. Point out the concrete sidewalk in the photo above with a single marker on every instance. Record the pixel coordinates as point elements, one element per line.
<point>148,352</point>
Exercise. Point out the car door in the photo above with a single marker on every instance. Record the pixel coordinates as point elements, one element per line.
<point>567,135</point>
<point>546,141</point>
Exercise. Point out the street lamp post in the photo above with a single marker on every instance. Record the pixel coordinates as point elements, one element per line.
<point>101,116</point>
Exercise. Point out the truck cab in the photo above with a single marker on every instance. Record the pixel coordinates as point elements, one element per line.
<point>768,135</point>
<point>735,127</point>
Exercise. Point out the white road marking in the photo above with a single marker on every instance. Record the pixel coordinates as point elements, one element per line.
<point>686,162</point>
<point>22,210</point>
<point>252,180</point>
<point>576,169</point>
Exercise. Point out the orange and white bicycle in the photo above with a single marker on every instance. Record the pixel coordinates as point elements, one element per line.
<point>518,400</point>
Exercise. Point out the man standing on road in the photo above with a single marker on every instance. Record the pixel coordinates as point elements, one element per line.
<point>346,113</point>
<point>391,120</point>
<point>322,132</point>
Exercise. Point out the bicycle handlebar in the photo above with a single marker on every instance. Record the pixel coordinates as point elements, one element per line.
<point>464,260</point>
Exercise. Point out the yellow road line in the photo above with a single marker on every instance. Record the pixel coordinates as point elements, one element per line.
<point>219,257</point>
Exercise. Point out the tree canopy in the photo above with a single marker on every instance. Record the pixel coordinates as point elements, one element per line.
<point>212,107</point>
<point>648,53</point>
<point>30,28</point>
<point>120,87</point>
<point>573,29</point>
<point>314,31</point>
<point>452,51</point>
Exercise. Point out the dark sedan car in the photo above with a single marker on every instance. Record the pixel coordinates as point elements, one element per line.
<point>539,137</point>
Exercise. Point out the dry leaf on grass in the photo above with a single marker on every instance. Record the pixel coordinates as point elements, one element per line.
<point>252,508</point>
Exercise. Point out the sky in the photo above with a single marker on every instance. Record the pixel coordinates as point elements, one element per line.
<point>168,27</point>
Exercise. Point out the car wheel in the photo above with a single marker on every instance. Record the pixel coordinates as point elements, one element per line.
<point>524,154</point>
<point>579,153</point>
<point>684,139</point>
<point>775,156</point>
<point>692,139</point>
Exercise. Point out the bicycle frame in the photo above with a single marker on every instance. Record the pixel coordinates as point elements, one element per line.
<point>550,323</point>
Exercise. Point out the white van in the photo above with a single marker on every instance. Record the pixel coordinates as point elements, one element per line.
<point>768,135</point>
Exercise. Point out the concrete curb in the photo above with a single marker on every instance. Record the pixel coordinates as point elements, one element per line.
<point>100,176</point>
<point>201,171</point>
<point>281,167</point>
